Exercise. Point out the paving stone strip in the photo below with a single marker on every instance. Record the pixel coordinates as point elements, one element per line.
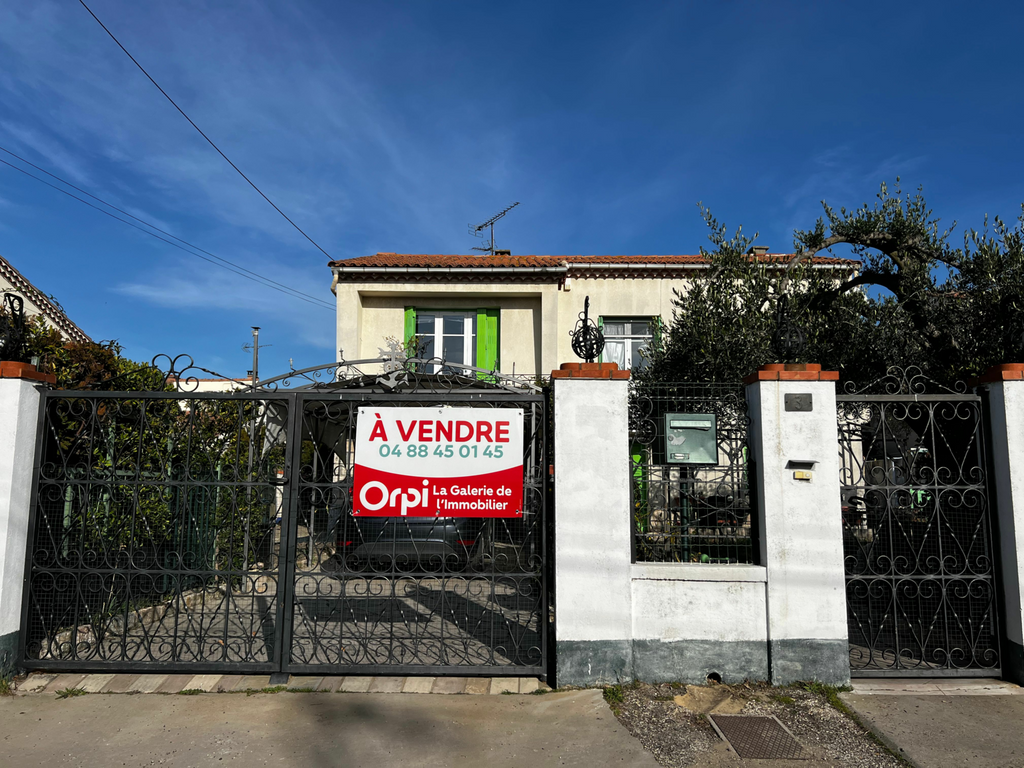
<point>92,683</point>
<point>147,683</point>
<point>135,683</point>
<point>936,687</point>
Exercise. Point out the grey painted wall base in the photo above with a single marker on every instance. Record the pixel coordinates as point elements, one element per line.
<point>603,662</point>
<point>1013,662</point>
<point>593,662</point>
<point>8,654</point>
<point>826,661</point>
<point>691,661</point>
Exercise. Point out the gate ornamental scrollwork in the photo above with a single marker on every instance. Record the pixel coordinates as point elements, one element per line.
<point>917,532</point>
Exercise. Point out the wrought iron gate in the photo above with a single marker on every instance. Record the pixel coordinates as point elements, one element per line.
<point>212,532</point>
<point>920,577</point>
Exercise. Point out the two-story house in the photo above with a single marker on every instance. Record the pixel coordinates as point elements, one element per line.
<point>512,313</point>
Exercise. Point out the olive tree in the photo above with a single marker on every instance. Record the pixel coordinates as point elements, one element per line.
<point>913,299</point>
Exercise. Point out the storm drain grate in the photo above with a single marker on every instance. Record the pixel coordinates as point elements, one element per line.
<point>757,737</point>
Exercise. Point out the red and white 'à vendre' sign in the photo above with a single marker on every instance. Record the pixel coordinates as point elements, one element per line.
<point>438,462</point>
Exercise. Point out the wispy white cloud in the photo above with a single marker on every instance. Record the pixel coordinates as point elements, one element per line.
<point>390,128</point>
<point>190,286</point>
<point>44,147</point>
<point>313,134</point>
<point>842,176</point>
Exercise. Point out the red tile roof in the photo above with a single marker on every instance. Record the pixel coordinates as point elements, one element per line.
<point>42,303</point>
<point>453,261</point>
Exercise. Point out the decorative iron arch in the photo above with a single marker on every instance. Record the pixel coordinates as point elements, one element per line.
<point>385,373</point>
<point>904,381</point>
<point>397,374</point>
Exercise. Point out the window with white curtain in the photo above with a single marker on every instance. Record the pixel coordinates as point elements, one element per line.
<point>625,338</point>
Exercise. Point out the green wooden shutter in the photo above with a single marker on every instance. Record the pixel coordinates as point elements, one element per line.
<point>600,327</point>
<point>487,338</point>
<point>410,328</point>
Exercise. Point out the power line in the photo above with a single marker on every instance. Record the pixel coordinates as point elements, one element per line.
<point>267,280</point>
<point>291,292</point>
<point>208,139</point>
<point>241,271</point>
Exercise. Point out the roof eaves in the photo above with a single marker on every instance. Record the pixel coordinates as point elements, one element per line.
<point>46,306</point>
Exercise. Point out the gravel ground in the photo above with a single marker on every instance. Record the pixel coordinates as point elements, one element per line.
<point>679,737</point>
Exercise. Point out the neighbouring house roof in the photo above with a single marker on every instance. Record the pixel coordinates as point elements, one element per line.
<point>41,303</point>
<point>189,384</point>
<point>403,266</point>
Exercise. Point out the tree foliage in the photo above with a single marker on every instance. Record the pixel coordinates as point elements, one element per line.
<point>87,365</point>
<point>913,299</point>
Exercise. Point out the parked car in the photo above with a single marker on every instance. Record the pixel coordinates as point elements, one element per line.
<point>405,544</point>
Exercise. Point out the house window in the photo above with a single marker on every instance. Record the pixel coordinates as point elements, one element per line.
<point>625,338</point>
<point>466,337</point>
<point>450,336</point>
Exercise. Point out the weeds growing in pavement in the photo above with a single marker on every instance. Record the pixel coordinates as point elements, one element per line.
<point>614,694</point>
<point>68,693</point>
<point>268,689</point>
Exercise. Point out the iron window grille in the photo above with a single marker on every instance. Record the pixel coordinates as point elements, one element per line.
<point>691,514</point>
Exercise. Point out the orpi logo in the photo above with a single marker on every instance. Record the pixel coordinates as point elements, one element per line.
<point>375,495</point>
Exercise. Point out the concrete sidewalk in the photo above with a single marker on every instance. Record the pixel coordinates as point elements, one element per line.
<point>945,723</point>
<point>310,729</point>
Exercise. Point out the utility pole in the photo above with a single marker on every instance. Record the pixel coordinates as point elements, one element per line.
<point>254,374</point>
<point>254,377</point>
<point>255,355</point>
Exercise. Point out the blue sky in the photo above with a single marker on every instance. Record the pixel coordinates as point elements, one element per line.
<point>390,126</point>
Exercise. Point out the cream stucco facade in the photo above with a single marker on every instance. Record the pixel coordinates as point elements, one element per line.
<point>536,300</point>
<point>534,321</point>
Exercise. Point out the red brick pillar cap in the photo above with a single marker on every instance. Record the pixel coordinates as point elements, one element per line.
<point>1002,372</point>
<point>26,371</point>
<point>791,372</point>
<point>607,371</point>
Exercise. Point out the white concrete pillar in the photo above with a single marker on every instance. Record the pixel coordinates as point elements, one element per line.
<point>794,443</point>
<point>1005,394</point>
<point>592,531</point>
<point>19,420</point>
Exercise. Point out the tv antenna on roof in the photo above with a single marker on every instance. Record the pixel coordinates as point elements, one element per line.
<point>477,230</point>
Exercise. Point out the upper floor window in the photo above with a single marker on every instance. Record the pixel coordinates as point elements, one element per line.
<point>459,337</point>
<point>450,336</point>
<point>625,338</point>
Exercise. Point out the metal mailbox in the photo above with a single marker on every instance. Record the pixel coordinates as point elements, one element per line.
<point>691,438</point>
